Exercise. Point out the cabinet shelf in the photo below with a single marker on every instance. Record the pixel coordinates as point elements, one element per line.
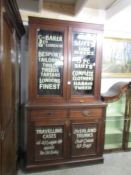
<point>112,146</point>
<point>115,115</point>
<point>113,131</point>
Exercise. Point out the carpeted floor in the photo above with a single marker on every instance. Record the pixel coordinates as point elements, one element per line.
<point>114,164</point>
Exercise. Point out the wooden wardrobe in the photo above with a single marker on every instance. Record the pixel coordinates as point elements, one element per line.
<point>11,30</point>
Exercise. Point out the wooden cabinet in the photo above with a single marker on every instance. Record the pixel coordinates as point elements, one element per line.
<point>118,117</point>
<point>64,114</point>
<point>67,135</point>
<point>11,30</point>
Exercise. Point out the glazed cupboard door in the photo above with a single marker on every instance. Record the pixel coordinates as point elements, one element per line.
<point>85,63</point>
<point>115,120</point>
<point>48,59</point>
<point>118,117</point>
<point>65,61</point>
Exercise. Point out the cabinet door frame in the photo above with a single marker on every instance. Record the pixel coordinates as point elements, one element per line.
<point>99,137</point>
<point>97,72</point>
<point>34,122</point>
<point>33,96</point>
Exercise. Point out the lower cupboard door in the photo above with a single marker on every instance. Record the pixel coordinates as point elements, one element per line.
<point>85,139</point>
<point>47,142</point>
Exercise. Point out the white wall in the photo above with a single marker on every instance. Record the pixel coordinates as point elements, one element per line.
<point>118,26</point>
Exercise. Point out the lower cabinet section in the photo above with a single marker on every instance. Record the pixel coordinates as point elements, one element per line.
<point>58,137</point>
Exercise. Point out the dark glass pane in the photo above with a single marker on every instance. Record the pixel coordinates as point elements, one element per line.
<point>83,63</point>
<point>50,54</point>
<point>84,139</point>
<point>49,142</point>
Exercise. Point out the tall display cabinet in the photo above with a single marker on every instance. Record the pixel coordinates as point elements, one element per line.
<point>11,31</point>
<point>118,117</point>
<point>64,114</point>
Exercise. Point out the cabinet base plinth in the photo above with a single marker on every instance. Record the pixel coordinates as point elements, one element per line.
<point>63,164</point>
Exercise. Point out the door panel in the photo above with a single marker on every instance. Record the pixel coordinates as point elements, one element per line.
<point>7,76</point>
<point>84,138</point>
<point>48,77</point>
<point>47,142</point>
<point>11,30</point>
<point>8,151</point>
<point>8,101</point>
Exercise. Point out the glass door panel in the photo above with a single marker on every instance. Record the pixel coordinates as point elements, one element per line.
<point>115,118</point>
<point>129,135</point>
<point>50,59</point>
<point>83,63</point>
<point>114,133</point>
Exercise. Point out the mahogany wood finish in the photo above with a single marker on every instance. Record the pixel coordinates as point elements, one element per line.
<point>115,91</point>
<point>11,30</point>
<point>63,129</point>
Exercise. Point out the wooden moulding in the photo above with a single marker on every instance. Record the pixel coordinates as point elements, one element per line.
<point>115,91</point>
<point>12,12</point>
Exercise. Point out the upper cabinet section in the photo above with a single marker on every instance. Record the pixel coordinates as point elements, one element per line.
<point>64,61</point>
